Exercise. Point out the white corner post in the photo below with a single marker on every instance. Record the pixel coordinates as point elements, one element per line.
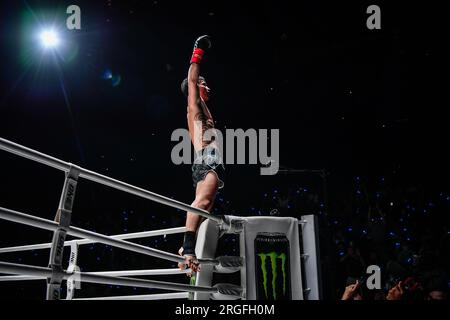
<point>311,257</point>
<point>206,246</point>
<point>271,249</point>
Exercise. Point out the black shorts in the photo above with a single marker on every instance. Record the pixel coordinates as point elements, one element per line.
<point>208,160</point>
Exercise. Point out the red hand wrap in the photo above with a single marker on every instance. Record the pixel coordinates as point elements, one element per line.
<point>197,56</point>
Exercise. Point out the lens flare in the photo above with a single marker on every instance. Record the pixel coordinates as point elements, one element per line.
<point>49,39</point>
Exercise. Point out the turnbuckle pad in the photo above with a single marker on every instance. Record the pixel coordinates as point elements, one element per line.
<point>226,291</point>
<point>231,225</point>
<point>229,264</point>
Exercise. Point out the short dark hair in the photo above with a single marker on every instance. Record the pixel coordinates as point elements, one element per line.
<point>184,85</point>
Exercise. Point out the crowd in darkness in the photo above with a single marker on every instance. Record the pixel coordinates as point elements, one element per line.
<point>403,230</point>
<point>398,226</point>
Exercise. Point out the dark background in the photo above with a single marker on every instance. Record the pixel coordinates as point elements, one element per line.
<point>356,102</point>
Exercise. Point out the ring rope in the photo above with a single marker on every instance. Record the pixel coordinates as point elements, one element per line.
<point>124,273</point>
<point>56,274</point>
<point>163,296</point>
<point>13,268</point>
<point>37,222</point>
<point>126,236</point>
<point>45,159</point>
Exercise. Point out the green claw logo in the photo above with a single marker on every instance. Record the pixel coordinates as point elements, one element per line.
<point>273,256</point>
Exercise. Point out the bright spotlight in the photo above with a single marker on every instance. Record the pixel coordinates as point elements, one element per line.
<point>49,39</point>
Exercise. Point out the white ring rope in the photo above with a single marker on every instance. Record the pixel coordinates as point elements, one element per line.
<point>33,221</point>
<point>37,156</point>
<point>13,268</point>
<point>126,236</point>
<point>125,273</point>
<point>112,277</point>
<point>163,296</point>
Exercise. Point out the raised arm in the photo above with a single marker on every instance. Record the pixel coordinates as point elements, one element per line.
<point>201,46</point>
<point>193,89</point>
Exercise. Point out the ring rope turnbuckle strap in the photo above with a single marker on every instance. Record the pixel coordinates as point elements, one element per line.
<point>73,282</point>
<point>63,217</point>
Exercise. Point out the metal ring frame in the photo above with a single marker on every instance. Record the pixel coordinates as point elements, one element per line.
<point>55,274</point>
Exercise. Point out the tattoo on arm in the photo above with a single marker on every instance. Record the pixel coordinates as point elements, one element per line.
<point>200,116</point>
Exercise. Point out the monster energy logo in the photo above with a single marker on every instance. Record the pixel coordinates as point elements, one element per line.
<point>273,256</point>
